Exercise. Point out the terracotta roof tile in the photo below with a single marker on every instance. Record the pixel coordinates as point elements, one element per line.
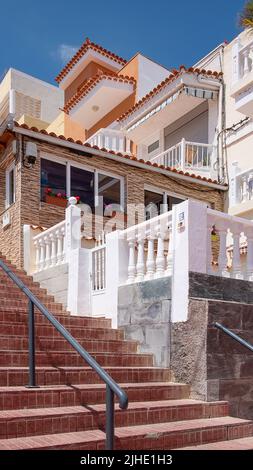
<point>91,83</point>
<point>173,76</point>
<point>81,51</point>
<point>119,154</point>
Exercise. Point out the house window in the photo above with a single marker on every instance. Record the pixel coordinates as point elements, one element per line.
<point>82,185</point>
<point>109,190</point>
<point>157,202</point>
<point>152,147</point>
<point>53,176</point>
<point>10,185</point>
<point>89,185</point>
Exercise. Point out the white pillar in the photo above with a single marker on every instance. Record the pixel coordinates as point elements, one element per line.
<point>183,154</point>
<point>249,269</point>
<point>72,227</point>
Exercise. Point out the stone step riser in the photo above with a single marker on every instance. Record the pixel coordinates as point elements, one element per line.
<point>74,422</point>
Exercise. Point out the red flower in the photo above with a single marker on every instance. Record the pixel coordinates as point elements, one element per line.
<point>59,194</point>
<point>48,190</point>
<point>77,198</point>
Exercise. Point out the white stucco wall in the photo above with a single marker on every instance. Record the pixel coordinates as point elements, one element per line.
<point>150,74</point>
<point>50,96</point>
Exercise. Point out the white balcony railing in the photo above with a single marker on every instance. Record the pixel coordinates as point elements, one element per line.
<point>149,248</point>
<point>50,247</point>
<point>187,155</point>
<point>244,186</point>
<point>110,139</point>
<point>98,265</point>
<point>245,61</point>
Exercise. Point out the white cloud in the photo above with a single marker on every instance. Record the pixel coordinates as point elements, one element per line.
<point>65,52</point>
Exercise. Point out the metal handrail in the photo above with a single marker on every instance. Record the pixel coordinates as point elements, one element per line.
<point>234,336</point>
<point>111,386</point>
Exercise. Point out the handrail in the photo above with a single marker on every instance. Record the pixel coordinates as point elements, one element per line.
<point>111,386</point>
<point>234,336</point>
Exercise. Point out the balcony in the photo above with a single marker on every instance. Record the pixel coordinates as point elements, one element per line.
<point>185,155</point>
<point>242,88</point>
<point>242,194</point>
<point>111,139</point>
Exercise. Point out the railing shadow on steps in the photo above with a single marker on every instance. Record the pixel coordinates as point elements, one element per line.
<point>234,336</point>
<point>111,386</point>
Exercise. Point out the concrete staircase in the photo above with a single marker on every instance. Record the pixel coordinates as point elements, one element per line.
<point>67,411</point>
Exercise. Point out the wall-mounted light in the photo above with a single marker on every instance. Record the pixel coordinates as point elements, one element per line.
<point>30,155</point>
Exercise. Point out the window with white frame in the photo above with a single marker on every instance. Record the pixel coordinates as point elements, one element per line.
<point>91,186</point>
<point>157,201</point>
<point>10,185</point>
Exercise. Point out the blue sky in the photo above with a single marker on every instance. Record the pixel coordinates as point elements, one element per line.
<point>37,37</point>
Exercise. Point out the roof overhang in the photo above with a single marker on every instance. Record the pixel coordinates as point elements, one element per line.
<point>100,100</point>
<point>174,100</point>
<point>134,162</point>
<point>89,56</point>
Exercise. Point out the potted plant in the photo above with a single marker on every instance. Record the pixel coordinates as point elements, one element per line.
<point>58,199</point>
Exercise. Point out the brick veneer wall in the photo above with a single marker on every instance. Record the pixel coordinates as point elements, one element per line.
<point>28,208</point>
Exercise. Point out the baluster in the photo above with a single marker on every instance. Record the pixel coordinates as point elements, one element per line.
<point>42,254</point>
<point>169,258</point>
<point>37,256</point>
<point>48,252</point>
<point>150,264</point>
<point>160,259</point>
<point>59,247</point>
<point>249,267</point>
<point>99,270</point>
<point>222,260</point>
<point>53,249</point>
<point>140,265</point>
<point>131,261</point>
<point>209,254</point>
<point>103,268</point>
<point>236,260</point>
<point>63,255</point>
<point>246,62</point>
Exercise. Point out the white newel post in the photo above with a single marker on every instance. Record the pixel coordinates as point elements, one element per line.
<point>78,302</point>
<point>234,190</point>
<point>189,247</point>
<point>116,273</point>
<point>235,62</point>
<point>31,251</point>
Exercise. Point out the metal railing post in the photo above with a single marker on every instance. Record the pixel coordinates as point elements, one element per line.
<point>31,333</point>
<point>109,427</point>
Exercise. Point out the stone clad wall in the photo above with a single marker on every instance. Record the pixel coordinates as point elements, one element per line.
<point>216,366</point>
<point>144,313</point>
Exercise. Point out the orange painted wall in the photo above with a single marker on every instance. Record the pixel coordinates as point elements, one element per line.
<point>91,70</point>
<point>131,69</point>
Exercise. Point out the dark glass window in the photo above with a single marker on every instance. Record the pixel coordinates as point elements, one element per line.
<point>153,204</point>
<point>109,189</point>
<point>53,176</point>
<point>11,195</point>
<point>153,146</point>
<point>82,185</point>
<point>172,201</point>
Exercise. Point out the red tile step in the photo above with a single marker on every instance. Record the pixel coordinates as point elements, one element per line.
<point>10,376</point>
<point>151,437</point>
<point>245,443</point>
<point>60,344</point>
<point>21,329</point>
<point>20,315</point>
<point>12,398</point>
<point>67,358</point>
<point>29,422</point>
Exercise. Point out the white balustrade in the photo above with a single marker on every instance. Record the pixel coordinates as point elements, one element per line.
<point>185,155</point>
<point>149,249</point>
<point>243,190</point>
<point>111,139</point>
<point>50,247</point>
<point>245,59</point>
<point>231,246</point>
<point>98,264</point>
